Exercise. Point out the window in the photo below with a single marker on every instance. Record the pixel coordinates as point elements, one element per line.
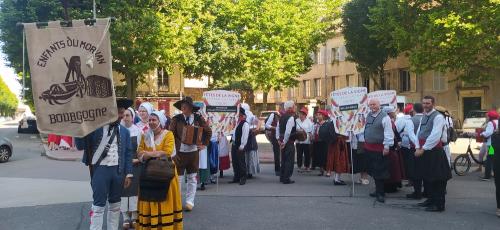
<point>320,56</point>
<point>365,81</point>
<point>291,93</point>
<point>385,81</point>
<point>439,81</point>
<point>277,94</point>
<point>404,80</point>
<point>348,80</point>
<point>162,79</point>
<point>306,89</point>
<point>332,83</point>
<point>334,55</point>
<point>317,87</point>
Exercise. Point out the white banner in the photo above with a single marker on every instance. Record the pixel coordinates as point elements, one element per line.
<point>349,107</point>
<point>221,110</point>
<point>386,97</point>
<point>71,77</point>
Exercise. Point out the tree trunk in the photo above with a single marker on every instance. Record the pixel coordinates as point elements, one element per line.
<point>131,86</point>
<point>264,100</point>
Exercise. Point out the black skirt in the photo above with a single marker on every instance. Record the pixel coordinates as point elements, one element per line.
<point>320,151</point>
<point>378,165</point>
<point>435,165</point>
<point>359,159</point>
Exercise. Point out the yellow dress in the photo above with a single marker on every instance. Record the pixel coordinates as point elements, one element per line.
<point>171,208</point>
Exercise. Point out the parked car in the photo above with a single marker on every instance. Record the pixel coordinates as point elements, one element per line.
<point>5,149</point>
<point>473,120</point>
<point>27,125</point>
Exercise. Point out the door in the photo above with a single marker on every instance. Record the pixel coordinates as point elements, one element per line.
<point>470,104</point>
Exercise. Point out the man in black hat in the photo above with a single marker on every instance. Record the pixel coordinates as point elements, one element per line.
<point>187,157</point>
<point>108,153</point>
<point>240,139</point>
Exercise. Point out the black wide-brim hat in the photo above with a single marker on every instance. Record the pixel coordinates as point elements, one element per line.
<point>187,100</point>
<point>242,111</point>
<point>123,103</point>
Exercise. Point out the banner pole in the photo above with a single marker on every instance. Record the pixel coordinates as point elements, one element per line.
<point>352,163</point>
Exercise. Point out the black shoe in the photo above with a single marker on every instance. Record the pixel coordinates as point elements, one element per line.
<point>434,208</point>
<point>234,181</point>
<point>243,181</point>
<point>221,174</point>
<point>426,203</point>
<point>249,176</point>
<point>339,183</point>
<point>414,196</point>
<point>202,188</point>
<point>288,182</point>
<point>373,194</point>
<point>381,198</point>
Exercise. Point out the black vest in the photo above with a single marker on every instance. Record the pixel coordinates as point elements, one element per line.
<point>283,121</point>
<point>238,133</point>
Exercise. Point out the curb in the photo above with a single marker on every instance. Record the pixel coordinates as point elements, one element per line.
<point>62,155</point>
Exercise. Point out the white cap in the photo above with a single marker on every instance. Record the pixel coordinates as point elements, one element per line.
<point>288,104</point>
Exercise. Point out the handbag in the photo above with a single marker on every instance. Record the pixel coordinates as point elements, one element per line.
<point>158,169</point>
<point>301,134</point>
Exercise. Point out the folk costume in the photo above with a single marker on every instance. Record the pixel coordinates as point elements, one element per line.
<point>160,205</point>
<point>303,147</point>
<point>320,146</point>
<point>130,195</point>
<point>378,136</point>
<point>251,148</point>
<point>144,124</point>
<point>108,153</point>
<point>396,165</point>
<point>240,139</point>
<point>491,127</point>
<point>338,159</point>
<point>286,134</point>
<point>436,169</point>
<point>270,126</point>
<point>187,157</point>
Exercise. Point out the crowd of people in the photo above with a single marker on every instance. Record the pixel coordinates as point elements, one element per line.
<point>139,163</point>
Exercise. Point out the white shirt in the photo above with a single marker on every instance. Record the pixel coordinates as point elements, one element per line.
<point>112,158</point>
<point>406,128</point>
<point>490,129</point>
<point>269,121</point>
<point>288,129</point>
<point>438,132</point>
<point>244,135</point>
<point>188,148</point>
<point>306,126</point>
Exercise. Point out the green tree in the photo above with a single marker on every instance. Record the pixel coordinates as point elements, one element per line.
<point>8,100</point>
<point>459,36</point>
<point>368,52</point>
<point>263,42</point>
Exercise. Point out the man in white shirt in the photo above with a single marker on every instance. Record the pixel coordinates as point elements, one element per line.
<point>285,133</point>
<point>270,126</point>
<point>432,136</point>
<point>303,155</point>
<point>108,153</point>
<point>240,139</point>
<point>379,137</point>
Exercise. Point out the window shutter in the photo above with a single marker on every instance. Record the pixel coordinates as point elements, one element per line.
<point>342,53</point>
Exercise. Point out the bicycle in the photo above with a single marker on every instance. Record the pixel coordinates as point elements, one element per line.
<point>462,164</point>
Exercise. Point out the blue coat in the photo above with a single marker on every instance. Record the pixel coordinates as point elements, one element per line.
<point>125,150</point>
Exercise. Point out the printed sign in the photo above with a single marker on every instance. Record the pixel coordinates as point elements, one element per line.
<point>349,106</point>
<point>71,77</point>
<point>221,110</point>
<point>386,97</point>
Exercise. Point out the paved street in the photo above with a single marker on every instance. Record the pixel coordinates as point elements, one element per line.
<point>38,193</point>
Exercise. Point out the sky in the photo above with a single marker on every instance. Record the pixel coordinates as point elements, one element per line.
<point>8,76</point>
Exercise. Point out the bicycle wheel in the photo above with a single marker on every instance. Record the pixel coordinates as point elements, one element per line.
<point>462,164</point>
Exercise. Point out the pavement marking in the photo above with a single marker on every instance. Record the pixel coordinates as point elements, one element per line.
<point>22,192</point>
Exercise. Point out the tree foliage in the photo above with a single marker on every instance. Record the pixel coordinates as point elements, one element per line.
<point>369,53</point>
<point>446,35</point>
<point>264,42</point>
<point>8,100</point>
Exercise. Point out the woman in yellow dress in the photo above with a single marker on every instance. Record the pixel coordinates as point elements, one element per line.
<point>156,212</point>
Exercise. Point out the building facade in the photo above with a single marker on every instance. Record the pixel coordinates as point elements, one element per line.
<point>331,71</point>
